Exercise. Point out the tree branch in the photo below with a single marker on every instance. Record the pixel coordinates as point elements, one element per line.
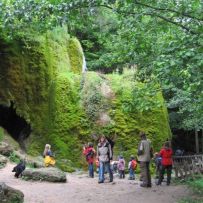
<point>153,14</point>
<point>169,10</point>
<point>157,15</point>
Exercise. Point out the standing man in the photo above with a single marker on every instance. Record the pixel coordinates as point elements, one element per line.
<point>104,154</point>
<point>144,156</point>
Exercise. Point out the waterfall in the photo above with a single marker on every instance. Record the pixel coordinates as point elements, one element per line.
<point>84,65</point>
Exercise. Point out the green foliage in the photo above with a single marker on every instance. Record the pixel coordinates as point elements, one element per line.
<point>14,158</point>
<point>38,67</point>
<point>127,118</point>
<point>1,134</point>
<point>197,187</point>
<point>162,39</point>
<point>91,96</point>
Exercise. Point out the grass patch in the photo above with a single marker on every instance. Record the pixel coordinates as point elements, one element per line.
<point>196,185</point>
<point>14,158</point>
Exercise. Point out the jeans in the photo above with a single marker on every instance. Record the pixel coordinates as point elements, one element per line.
<point>162,171</point>
<point>102,167</point>
<point>131,174</point>
<point>91,170</point>
<point>122,173</point>
<point>145,173</point>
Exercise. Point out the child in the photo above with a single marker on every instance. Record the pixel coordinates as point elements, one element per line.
<point>89,152</point>
<point>121,167</point>
<point>157,160</point>
<point>132,166</point>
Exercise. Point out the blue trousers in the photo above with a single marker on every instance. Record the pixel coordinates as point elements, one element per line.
<point>102,167</point>
<point>91,170</point>
<point>131,173</point>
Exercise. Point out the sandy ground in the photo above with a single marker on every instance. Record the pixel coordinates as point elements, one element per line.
<point>81,189</point>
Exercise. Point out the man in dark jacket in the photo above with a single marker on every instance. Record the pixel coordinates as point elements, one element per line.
<point>104,154</point>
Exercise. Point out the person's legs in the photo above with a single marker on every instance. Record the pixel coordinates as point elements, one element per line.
<point>91,170</point>
<point>148,175</point>
<point>132,174</point>
<point>169,170</point>
<point>143,170</point>
<point>120,174</point>
<point>123,173</point>
<point>109,171</point>
<point>101,172</point>
<point>161,175</point>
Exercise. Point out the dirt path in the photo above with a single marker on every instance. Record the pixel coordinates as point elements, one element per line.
<point>81,189</point>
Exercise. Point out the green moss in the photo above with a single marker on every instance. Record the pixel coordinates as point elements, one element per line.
<point>40,75</point>
<point>76,55</point>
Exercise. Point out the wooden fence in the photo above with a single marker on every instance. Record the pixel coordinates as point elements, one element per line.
<point>188,165</point>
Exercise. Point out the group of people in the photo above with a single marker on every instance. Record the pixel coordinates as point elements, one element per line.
<point>104,155</point>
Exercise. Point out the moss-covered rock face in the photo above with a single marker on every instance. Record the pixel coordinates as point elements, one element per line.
<point>124,126</point>
<point>40,76</point>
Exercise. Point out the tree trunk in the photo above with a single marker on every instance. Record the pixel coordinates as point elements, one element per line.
<point>202,141</point>
<point>197,141</point>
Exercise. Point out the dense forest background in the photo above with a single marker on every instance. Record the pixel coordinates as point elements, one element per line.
<point>161,40</point>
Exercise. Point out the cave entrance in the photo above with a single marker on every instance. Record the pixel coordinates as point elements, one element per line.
<point>15,125</point>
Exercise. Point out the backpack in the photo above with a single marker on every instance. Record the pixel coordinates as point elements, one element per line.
<point>89,155</point>
<point>111,143</point>
<point>133,164</point>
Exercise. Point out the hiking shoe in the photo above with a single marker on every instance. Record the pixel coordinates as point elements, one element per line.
<point>143,185</point>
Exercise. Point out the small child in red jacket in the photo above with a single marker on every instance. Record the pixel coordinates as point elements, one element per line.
<point>89,152</point>
<point>166,163</point>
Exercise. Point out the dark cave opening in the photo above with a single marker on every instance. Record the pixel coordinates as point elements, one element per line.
<point>15,125</point>
<point>185,140</point>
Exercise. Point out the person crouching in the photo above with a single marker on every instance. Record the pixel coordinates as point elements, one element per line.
<point>48,156</point>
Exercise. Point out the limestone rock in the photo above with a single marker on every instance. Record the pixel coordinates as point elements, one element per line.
<point>5,149</point>
<point>9,194</point>
<point>3,161</point>
<point>45,174</point>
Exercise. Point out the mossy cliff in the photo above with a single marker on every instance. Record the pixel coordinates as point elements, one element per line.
<point>41,76</point>
<point>124,125</point>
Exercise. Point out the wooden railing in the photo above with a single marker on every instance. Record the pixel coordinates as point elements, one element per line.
<point>188,165</point>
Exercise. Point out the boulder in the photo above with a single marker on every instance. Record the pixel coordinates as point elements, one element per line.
<point>9,194</point>
<point>49,174</point>
<point>5,149</point>
<point>35,162</point>
<point>3,161</point>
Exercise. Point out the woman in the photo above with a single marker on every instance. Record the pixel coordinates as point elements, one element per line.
<point>104,154</point>
<point>48,156</point>
<point>166,163</point>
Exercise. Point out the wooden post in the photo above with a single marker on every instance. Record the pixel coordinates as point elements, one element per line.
<point>202,140</point>
<point>196,141</point>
